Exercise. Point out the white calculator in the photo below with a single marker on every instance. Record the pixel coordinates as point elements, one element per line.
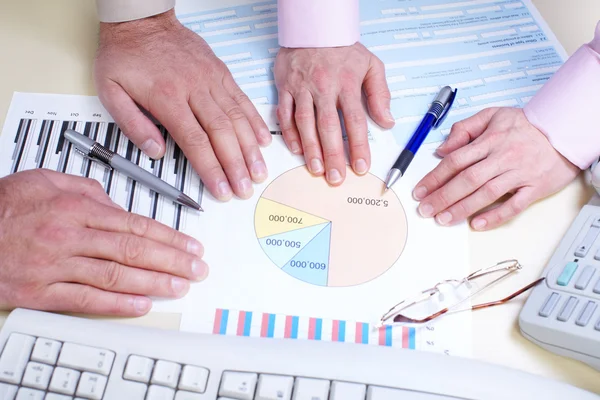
<point>562,314</point>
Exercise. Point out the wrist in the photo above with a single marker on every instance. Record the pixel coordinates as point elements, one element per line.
<point>140,29</point>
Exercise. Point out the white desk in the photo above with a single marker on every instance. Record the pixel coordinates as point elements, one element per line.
<point>48,46</point>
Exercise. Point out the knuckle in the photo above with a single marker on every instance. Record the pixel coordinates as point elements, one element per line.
<point>454,161</point>
<point>304,115</point>
<point>131,249</point>
<point>220,124</point>
<point>84,299</point>
<point>320,79</point>
<point>471,176</point>
<point>236,114</point>
<point>329,121</point>
<point>166,88</point>
<point>355,117</point>
<point>195,138</point>
<point>444,198</point>
<point>240,97</point>
<point>111,275</point>
<point>492,191</point>
<point>68,202</point>
<point>138,225</point>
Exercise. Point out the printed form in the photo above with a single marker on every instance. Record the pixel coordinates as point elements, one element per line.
<point>495,52</point>
<point>301,260</point>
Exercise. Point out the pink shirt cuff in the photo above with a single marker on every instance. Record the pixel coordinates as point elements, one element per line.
<point>318,23</point>
<point>565,109</point>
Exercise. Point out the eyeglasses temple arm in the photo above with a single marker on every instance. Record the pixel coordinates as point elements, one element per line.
<point>506,299</point>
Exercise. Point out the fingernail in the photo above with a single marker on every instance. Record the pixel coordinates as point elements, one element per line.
<point>426,210</point>
<point>360,166</point>
<point>224,190</point>
<point>479,224</point>
<point>316,166</point>
<point>141,304</point>
<point>245,187</point>
<point>194,247</point>
<point>443,218</point>
<point>334,176</point>
<point>295,147</point>
<point>199,268</point>
<point>389,116</point>
<point>151,148</point>
<point>419,192</point>
<point>178,285</point>
<point>259,170</point>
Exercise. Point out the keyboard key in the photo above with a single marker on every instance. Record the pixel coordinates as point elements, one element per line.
<point>166,373</point>
<point>549,305</point>
<point>56,396</point>
<point>64,380</point>
<point>596,222</point>
<point>160,393</point>
<point>597,255</point>
<point>311,389</point>
<point>347,391</point>
<point>138,369</point>
<point>380,393</point>
<point>193,379</point>
<point>597,287</point>
<point>567,273</point>
<point>238,385</point>
<point>597,327</point>
<point>91,386</point>
<point>8,392</point>
<point>183,395</point>
<point>587,242</point>
<point>586,314</point>
<point>274,387</point>
<point>86,358</point>
<point>585,277</point>
<point>37,375</point>
<point>30,394</point>
<point>15,357</point>
<point>567,309</point>
<point>46,351</point>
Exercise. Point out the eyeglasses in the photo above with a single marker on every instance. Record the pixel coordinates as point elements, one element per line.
<point>448,296</point>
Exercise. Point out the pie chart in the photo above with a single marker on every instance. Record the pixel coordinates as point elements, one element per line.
<point>330,236</point>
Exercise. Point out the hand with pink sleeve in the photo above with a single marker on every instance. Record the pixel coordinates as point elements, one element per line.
<point>322,68</point>
<point>527,153</point>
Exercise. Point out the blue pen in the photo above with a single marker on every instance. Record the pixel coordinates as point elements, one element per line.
<point>433,119</point>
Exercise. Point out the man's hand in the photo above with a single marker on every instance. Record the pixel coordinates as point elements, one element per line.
<point>313,84</point>
<point>493,153</point>
<point>67,247</point>
<point>173,74</point>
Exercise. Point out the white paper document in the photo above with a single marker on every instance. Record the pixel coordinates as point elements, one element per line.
<point>299,259</point>
<point>495,52</point>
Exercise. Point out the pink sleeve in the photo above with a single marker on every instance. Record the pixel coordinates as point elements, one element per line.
<point>566,109</point>
<point>318,23</point>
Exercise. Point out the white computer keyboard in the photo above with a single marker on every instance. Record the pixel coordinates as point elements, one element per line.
<point>52,357</point>
<point>562,313</point>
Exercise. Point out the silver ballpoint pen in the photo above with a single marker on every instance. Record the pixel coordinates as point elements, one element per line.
<point>96,152</point>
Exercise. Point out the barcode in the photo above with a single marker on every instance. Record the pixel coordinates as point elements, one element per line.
<point>41,144</point>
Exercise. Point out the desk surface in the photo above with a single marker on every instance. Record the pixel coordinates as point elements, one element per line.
<point>49,47</point>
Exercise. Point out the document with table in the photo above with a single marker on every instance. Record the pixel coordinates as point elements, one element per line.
<point>303,260</point>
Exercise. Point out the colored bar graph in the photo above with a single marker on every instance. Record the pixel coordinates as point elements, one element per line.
<point>312,328</point>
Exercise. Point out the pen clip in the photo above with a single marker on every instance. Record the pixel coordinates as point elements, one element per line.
<point>105,165</point>
<point>447,107</point>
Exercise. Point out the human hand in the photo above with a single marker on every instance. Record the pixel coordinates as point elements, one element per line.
<point>493,153</point>
<point>173,74</point>
<point>67,247</point>
<point>312,85</point>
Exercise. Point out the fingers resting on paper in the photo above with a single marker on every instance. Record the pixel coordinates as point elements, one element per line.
<point>190,92</point>
<point>314,87</point>
<point>495,156</point>
<point>69,248</point>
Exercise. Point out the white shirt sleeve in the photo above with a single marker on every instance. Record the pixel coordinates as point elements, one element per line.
<point>129,10</point>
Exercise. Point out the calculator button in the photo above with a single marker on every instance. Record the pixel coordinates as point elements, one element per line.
<point>7,391</point>
<point>46,351</point>
<point>586,314</point>
<point>549,305</point>
<point>587,242</point>
<point>567,273</point>
<point>15,357</point>
<point>567,309</point>
<point>585,277</point>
